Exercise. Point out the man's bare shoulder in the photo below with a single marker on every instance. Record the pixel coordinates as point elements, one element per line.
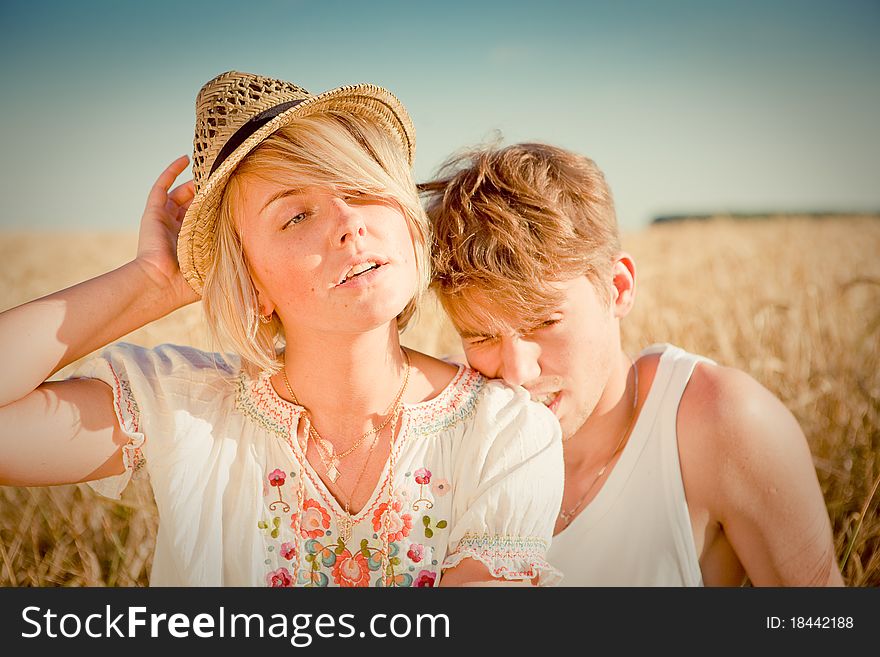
<point>724,403</point>
<point>728,414</point>
<point>737,435</point>
<point>746,464</point>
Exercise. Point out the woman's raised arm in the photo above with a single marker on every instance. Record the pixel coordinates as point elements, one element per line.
<point>40,337</point>
<point>61,432</point>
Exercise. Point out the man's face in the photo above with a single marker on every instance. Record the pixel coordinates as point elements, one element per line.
<point>563,362</point>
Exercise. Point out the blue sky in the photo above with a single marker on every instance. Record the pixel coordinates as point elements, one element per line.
<point>688,106</point>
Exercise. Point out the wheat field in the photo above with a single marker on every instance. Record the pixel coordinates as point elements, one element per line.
<point>793,301</point>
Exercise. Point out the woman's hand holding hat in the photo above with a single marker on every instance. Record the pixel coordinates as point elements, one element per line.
<point>160,226</point>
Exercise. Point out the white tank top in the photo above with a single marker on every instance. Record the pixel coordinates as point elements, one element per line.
<point>637,531</point>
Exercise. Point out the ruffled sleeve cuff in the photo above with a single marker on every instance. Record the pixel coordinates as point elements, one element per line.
<point>507,557</point>
<point>128,416</point>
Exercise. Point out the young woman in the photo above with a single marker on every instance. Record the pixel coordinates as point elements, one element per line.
<point>321,452</point>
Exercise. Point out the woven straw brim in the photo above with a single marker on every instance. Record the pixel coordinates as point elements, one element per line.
<point>195,244</point>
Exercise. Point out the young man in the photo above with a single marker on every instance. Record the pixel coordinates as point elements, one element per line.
<point>678,471</point>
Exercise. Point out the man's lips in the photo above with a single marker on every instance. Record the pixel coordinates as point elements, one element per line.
<point>549,399</point>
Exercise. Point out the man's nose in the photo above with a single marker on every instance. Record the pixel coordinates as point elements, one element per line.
<point>519,361</point>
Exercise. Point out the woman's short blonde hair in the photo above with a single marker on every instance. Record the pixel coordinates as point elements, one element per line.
<point>336,151</point>
<point>509,222</point>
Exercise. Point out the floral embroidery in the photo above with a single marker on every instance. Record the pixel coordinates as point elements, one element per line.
<point>351,569</point>
<point>279,578</point>
<point>313,552</point>
<point>426,578</point>
<point>315,520</point>
<point>313,578</point>
<point>416,552</point>
<point>288,550</point>
<point>426,521</point>
<point>423,478</point>
<point>276,526</point>
<point>392,577</point>
<point>399,525</point>
<point>276,479</point>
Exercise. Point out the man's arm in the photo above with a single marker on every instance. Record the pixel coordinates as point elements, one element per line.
<point>757,479</point>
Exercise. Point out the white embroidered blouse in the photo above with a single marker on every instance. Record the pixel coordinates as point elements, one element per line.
<point>477,472</point>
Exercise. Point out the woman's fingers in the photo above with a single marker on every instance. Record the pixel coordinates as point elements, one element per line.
<point>159,191</point>
<point>183,193</point>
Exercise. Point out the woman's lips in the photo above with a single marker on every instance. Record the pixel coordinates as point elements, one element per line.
<point>362,279</point>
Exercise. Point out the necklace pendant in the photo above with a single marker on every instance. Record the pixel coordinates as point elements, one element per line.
<point>345,526</point>
<point>332,472</point>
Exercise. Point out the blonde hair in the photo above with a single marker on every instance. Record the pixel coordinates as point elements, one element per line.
<point>340,152</point>
<point>509,222</point>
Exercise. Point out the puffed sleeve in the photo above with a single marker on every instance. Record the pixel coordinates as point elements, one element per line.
<point>508,486</point>
<point>148,386</point>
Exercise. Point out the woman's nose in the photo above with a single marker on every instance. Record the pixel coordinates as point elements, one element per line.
<point>350,224</point>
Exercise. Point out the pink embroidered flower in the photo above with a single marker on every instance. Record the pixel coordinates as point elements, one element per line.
<point>416,552</point>
<point>441,487</point>
<point>422,476</point>
<point>351,569</point>
<point>315,520</point>
<point>399,525</point>
<point>425,578</point>
<point>279,578</point>
<point>288,550</point>
<point>277,477</point>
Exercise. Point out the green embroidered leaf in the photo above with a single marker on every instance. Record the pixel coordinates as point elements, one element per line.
<point>274,533</point>
<point>310,558</point>
<point>426,520</point>
<point>262,524</point>
<point>365,551</point>
<point>441,524</point>
<point>363,543</point>
<point>276,521</point>
<point>429,532</point>
<point>394,561</point>
<point>339,549</point>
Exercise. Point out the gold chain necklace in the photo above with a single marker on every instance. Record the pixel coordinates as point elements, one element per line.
<point>325,448</point>
<point>346,522</point>
<point>568,516</point>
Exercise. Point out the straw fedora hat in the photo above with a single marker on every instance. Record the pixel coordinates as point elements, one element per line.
<point>234,113</point>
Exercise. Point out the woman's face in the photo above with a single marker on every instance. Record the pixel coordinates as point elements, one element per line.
<point>326,262</point>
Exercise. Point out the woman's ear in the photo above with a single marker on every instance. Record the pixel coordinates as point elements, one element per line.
<point>623,290</point>
<point>265,306</point>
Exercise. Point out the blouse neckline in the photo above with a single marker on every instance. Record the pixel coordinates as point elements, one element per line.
<point>454,403</point>
<point>258,399</point>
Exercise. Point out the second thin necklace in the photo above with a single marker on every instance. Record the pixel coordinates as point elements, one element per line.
<point>325,448</point>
